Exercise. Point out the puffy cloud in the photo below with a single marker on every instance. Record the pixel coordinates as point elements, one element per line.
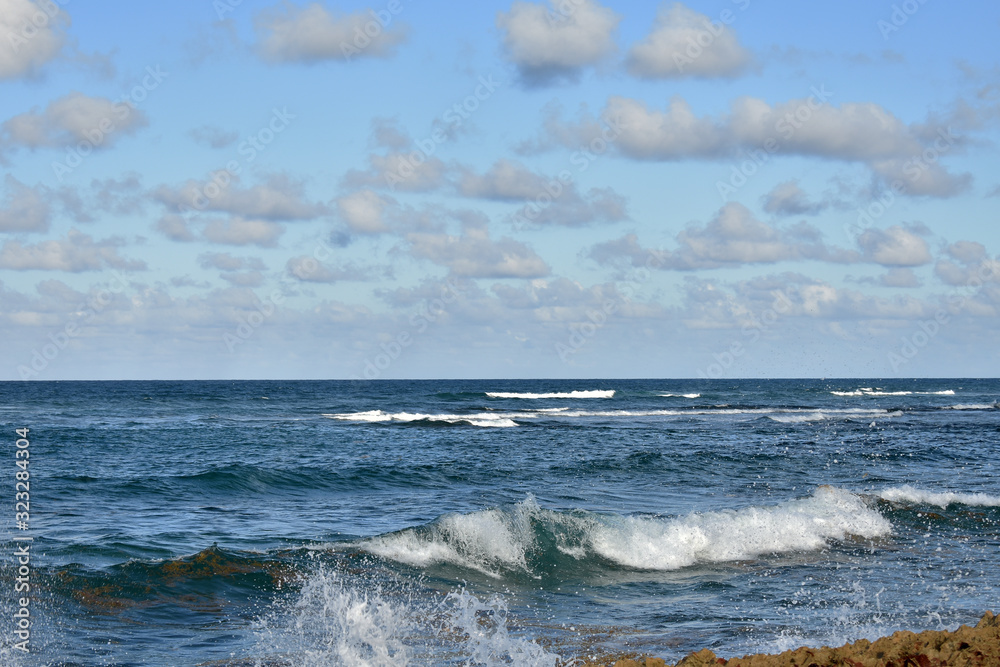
<point>896,246</point>
<point>853,132</point>
<point>312,34</point>
<point>33,34</point>
<point>226,262</point>
<point>280,198</point>
<point>551,200</point>
<point>918,177</point>
<point>175,228</point>
<point>789,199</point>
<point>24,209</point>
<point>547,44</point>
<point>899,277</point>
<point>239,231</point>
<point>732,238</point>
<point>971,266</point>
<point>307,269</point>
<point>686,43</point>
<point>363,211</point>
<point>70,120</point>
<point>77,252</point>
<point>399,171</point>
<point>474,254</point>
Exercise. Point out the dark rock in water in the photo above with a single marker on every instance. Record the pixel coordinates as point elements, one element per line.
<point>965,647</point>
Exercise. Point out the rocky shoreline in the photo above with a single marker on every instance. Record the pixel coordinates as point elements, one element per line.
<point>964,647</point>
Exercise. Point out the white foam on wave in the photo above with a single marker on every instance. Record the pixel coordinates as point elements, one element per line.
<point>800,418</point>
<point>911,495</point>
<point>868,391</point>
<point>973,406</point>
<point>592,393</point>
<point>497,540</point>
<point>681,395</point>
<point>487,419</point>
<point>334,622</point>
<point>806,524</point>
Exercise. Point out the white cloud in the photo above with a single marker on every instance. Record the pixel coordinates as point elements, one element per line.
<point>25,209</point>
<point>77,252</point>
<point>239,231</point>
<point>895,247</point>
<point>407,172</point>
<point>687,43</point>
<point>853,132</point>
<point>550,200</point>
<point>279,198</point>
<point>732,238</point>
<point>363,211</point>
<point>32,33</point>
<point>175,228</point>
<point>70,120</point>
<point>313,34</point>
<point>789,199</point>
<point>474,254</point>
<point>307,269</point>
<point>547,44</point>
<point>226,262</point>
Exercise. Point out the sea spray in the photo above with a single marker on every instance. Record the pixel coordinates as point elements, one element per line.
<point>339,619</point>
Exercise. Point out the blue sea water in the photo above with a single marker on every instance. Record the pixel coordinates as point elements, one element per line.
<point>490,522</point>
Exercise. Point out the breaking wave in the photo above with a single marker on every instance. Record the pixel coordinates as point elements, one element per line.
<point>525,536</point>
<point>592,393</point>
<point>483,419</point>
<point>910,495</point>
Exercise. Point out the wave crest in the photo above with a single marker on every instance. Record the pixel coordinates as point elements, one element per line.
<point>520,537</point>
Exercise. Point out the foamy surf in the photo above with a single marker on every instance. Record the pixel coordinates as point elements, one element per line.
<point>681,395</point>
<point>592,393</point>
<point>868,391</point>
<point>913,496</point>
<point>496,541</point>
<point>486,420</point>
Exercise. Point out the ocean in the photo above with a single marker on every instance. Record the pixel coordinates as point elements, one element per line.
<point>490,522</point>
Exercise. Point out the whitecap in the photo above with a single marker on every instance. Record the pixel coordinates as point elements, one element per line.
<point>592,393</point>
<point>909,494</point>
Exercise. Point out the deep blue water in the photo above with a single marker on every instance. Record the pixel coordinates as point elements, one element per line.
<point>494,521</point>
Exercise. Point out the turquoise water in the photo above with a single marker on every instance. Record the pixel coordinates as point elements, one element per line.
<point>495,522</point>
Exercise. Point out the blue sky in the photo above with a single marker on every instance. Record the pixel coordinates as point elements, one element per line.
<point>416,189</point>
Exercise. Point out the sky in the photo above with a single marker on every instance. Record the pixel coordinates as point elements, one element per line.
<point>228,189</point>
